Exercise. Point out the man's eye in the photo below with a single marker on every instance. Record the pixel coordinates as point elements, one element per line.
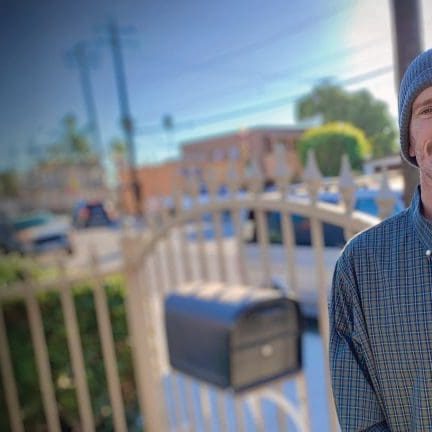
<point>426,110</point>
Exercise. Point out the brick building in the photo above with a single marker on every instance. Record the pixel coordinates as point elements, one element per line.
<point>155,181</point>
<point>243,146</point>
<point>214,154</point>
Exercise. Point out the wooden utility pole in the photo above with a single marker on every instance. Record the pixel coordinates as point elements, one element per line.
<point>126,118</point>
<point>407,44</point>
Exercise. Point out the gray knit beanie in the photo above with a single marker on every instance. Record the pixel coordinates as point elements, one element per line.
<point>417,77</point>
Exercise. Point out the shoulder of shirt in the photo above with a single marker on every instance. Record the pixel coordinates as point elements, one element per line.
<point>386,230</point>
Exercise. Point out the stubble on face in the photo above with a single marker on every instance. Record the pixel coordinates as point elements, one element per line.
<point>423,154</point>
<point>421,145</point>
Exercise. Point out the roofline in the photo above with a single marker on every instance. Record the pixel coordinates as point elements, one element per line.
<point>264,129</point>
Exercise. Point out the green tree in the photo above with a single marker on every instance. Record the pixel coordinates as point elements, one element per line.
<point>72,145</point>
<point>360,108</point>
<point>9,184</point>
<point>330,142</point>
<point>118,148</point>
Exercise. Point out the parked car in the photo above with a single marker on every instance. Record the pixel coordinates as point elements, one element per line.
<point>7,235</point>
<point>35,233</point>
<point>305,259</point>
<point>333,236</point>
<point>87,214</point>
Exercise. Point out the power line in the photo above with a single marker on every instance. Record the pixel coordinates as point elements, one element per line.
<point>280,74</point>
<point>277,76</point>
<point>247,49</point>
<point>262,107</point>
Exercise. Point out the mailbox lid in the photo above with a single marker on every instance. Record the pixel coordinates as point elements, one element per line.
<point>264,320</point>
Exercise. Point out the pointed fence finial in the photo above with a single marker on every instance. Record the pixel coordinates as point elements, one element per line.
<point>193,185</point>
<point>347,185</point>
<point>184,183</point>
<point>254,178</point>
<point>233,177</point>
<point>385,197</point>
<point>312,175</point>
<point>177,200</point>
<point>211,182</point>
<point>164,209</point>
<point>151,212</point>
<point>177,186</point>
<point>283,172</point>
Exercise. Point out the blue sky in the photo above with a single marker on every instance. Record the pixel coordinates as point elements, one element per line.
<point>190,59</point>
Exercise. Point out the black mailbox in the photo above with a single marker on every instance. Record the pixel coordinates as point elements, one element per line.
<point>233,337</point>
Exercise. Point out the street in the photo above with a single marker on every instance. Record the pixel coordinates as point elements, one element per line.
<point>105,242</point>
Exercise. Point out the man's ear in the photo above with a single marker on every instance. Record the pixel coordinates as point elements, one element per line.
<point>411,151</point>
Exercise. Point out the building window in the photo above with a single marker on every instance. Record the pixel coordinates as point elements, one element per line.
<point>218,155</point>
<point>234,153</point>
<point>268,145</point>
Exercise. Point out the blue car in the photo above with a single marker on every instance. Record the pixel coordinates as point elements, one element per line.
<point>90,214</point>
<point>333,235</point>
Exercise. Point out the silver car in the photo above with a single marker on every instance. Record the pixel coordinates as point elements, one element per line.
<point>36,233</point>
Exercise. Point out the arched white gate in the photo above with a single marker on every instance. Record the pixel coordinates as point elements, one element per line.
<point>177,250</point>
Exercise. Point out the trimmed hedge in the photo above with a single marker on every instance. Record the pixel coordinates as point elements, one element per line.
<point>330,142</point>
<point>24,364</point>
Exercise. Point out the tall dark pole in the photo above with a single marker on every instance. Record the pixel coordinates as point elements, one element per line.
<point>126,119</point>
<point>407,44</point>
<point>81,57</point>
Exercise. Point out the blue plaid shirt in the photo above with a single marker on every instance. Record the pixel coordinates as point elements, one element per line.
<point>381,326</point>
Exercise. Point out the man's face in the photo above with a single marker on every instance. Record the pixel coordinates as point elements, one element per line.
<point>421,132</point>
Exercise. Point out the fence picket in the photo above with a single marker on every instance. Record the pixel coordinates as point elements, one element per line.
<point>213,188</point>
<point>240,254</point>
<point>8,379</point>
<point>190,403</point>
<point>144,351</point>
<point>184,248</point>
<point>201,254</point>
<point>217,221</point>
<point>263,239</point>
<point>222,411</point>
<point>318,245</point>
<point>42,360</point>
<point>254,404</point>
<point>289,248</point>
<point>109,356</point>
<point>178,401</point>
<point>185,255</point>
<point>303,401</point>
<point>76,354</point>
<point>170,285</point>
<point>240,420</point>
<point>204,395</point>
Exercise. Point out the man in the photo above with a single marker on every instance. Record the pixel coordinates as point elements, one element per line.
<point>381,300</point>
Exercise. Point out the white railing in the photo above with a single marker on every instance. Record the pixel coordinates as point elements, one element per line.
<point>226,261</point>
<point>162,261</point>
<point>28,291</point>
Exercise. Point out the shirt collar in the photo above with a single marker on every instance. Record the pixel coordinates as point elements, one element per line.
<point>422,226</point>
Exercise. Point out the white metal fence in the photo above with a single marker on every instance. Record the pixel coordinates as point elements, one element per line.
<point>175,251</point>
